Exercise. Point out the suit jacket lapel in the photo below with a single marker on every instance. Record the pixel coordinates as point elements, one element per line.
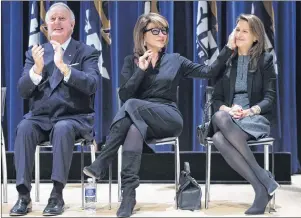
<point>50,67</point>
<point>55,78</point>
<point>69,54</point>
<point>233,74</point>
<point>48,59</point>
<point>250,83</point>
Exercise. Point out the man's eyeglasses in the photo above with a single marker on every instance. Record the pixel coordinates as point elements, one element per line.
<point>156,31</point>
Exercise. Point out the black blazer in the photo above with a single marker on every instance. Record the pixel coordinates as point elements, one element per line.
<point>135,83</point>
<point>261,86</point>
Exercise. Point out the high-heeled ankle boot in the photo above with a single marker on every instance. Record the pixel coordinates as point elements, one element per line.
<point>262,198</point>
<point>269,183</point>
<point>272,185</point>
<point>128,203</point>
<point>131,162</point>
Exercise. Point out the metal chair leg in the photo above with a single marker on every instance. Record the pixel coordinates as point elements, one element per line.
<point>178,162</point>
<point>4,168</point>
<point>266,163</point>
<point>266,167</point>
<point>82,174</point>
<point>177,169</point>
<point>110,186</point>
<point>266,157</point>
<point>273,207</point>
<point>209,186</point>
<point>208,169</point>
<point>119,173</point>
<point>93,149</point>
<point>37,173</point>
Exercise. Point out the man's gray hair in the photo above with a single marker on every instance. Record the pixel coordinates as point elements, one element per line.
<point>60,4</point>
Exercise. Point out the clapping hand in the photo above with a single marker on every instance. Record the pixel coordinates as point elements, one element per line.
<point>37,54</point>
<point>58,54</point>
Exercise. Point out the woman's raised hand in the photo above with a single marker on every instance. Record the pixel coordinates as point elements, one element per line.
<point>145,59</point>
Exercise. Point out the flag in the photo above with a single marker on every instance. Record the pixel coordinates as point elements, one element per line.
<point>205,52</point>
<point>264,10</point>
<point>95,31</point>
<point>151,6</point>
<point>34,31</point>
<point>44,6</point>
<point>206,33</point>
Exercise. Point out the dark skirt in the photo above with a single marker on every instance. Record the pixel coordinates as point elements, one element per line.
<point>154,120</point>
<point>257,126</point>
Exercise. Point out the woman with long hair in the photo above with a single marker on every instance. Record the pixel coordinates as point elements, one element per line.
<point>243,100</point>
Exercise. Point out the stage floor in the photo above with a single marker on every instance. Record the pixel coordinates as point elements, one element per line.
<point>156,200</point>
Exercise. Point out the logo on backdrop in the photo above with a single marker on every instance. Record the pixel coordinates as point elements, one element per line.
<point>206,31</point>
<point>93,36</point>
<point>264,10</point>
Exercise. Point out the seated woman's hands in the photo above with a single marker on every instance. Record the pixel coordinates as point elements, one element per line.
<point>236,111</point>
<point>243,113</point>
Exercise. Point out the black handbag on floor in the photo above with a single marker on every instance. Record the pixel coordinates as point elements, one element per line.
<point>189,194</point>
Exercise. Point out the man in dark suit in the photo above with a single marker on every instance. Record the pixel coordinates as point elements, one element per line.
<point>60,78</point>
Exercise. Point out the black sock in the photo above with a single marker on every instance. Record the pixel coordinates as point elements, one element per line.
<point>57,189</point>
<point>23,190</point>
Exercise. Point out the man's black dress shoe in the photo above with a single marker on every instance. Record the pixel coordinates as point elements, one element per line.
<point>55,206</point>
<point>22,207</point>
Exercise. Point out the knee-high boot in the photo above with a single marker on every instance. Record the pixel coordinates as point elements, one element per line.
<point>131,162</point>
<point>115,138</point>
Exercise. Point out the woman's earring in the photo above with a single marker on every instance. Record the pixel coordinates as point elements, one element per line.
<point>144,44</point>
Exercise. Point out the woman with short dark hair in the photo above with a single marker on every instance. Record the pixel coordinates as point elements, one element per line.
<point>149,80</point>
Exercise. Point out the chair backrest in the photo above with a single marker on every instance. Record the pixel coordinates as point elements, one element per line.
<point>3,96</point>
<point>177,101</point>
<point>118,99</point>
<point>209,92</point>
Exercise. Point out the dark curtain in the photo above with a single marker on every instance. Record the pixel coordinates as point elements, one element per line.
<point>298,77</point>
<point>12,64</point>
